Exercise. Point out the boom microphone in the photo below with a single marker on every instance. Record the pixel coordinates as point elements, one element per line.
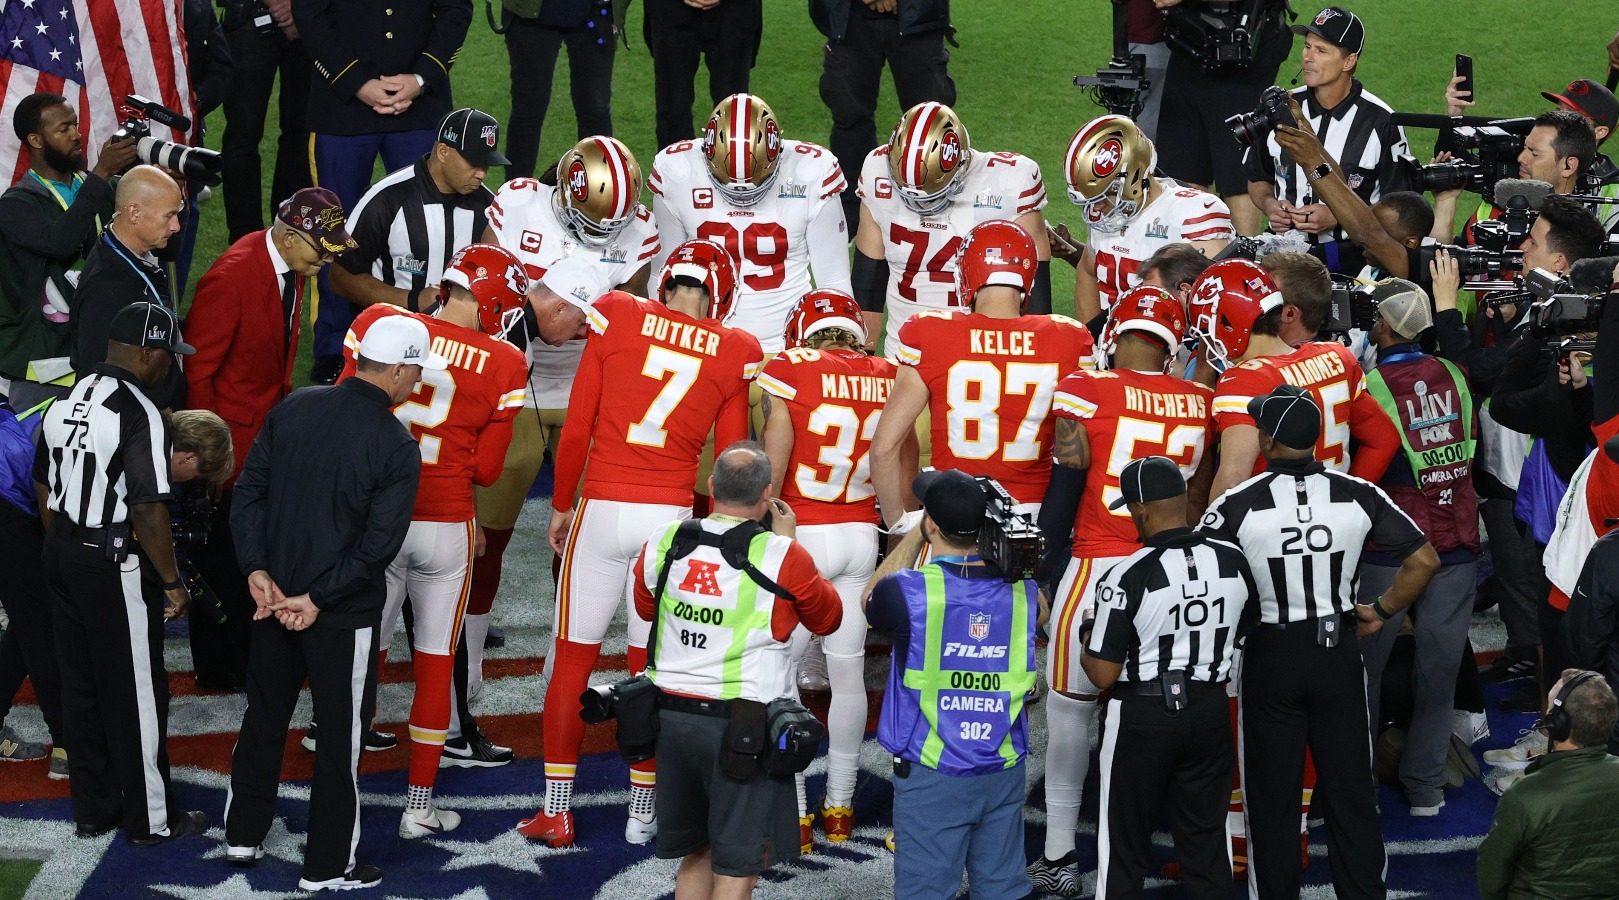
<point>1593,275</point>
<point>1528,190</point>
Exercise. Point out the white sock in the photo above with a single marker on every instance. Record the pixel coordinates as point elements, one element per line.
<point>1068,761</point>
<point>558,787</point>
<point>845,726</point>
<point>477,631</point>
<point>419,800</point>
<point>803,804</point>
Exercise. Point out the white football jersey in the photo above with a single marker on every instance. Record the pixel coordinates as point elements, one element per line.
<point>524,219</point>
<point>1179,214</point>
<point>770,240</point>
<point>921,251</point>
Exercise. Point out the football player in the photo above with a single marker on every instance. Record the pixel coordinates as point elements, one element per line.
<point>920,195</point>
<point>1129,211</point>
<point>462,418</point>
<point>823,397</point>
<point>655,379</point>
<point>1103,421</point>
<point>772,202</point>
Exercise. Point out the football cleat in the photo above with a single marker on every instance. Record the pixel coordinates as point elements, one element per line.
<point>598,189</point>
<point>436,821</point>
<point>556,831</point>
<point>244,857</point>
<point>806,835</point>
<point>837,822</point>
<point>1109,170</point>
<point>361,876</point>
<point>812,676</point>
<point>995,253</point>
<point>638,830</point>
<point>928,155</point>
<point>1229,297</point>
<point>1149,310</point>
<point>707,265</point>
<point>474,751</point>
<point>1058,877</point>
<point>819,310</point>
<point>742,144</point>
<point>495,279</point>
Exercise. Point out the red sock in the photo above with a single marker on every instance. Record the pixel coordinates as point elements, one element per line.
<point>560,724</point>
<point>429,715</point>
<point>636,657</point>
<point>486,571</point>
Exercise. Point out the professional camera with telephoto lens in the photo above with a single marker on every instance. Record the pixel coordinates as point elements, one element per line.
<point>1008,540</point>
<point>190,515</point>
<point>1218,35</point>
<point>195,163</point>
<point>1253,127</point>
<point>1474,262</point>
<point>1484,154</point>
<point>1119,86</point>
<point>1563,306</point>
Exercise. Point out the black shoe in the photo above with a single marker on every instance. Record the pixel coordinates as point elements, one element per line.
<point>495,639</point>
<point>326,369</point>
<point>1507,668</point>
<point>361,876</point>
<point>226,683</point>
<point>474,751</point>
<point>1526,699</point>
<point>194,822</point>
<point>374,740</point>
<point>93,830</point>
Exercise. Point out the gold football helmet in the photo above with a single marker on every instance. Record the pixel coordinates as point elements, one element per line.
<point>742,144</point>
<point>928,155</point>
<point>1109,169</point>
<point>598,189</point>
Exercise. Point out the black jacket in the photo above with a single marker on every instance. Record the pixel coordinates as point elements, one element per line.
<point>1591,625</point>
<point>915,16</point>
<point>1530,399</point>
<point>208,55</point>
<point>114,277</point>
<point>325,498</point>
<point>41,243</point>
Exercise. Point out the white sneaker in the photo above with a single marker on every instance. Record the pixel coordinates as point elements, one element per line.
<point>1531,746</point>
<point>437,821</point>
<point>1471,727</point>
<point>1499,782</point>
<point>812,677</point>
<point>641,831</point>
<point>244,857</point>
<point>1427,811</point>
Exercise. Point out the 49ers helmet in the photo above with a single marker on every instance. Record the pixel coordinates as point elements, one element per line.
<point>707,265</point>
<point>1109,159</point>
<point>495,278</point>
<point>1227,300</point>
<point>823,309</point>
<point>1147,309</point>
<point>742,144</point>
<point>598,189</point>
<point>928,154</point>
<point>997,252</point>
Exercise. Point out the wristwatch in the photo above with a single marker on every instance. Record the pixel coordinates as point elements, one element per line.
<point>1319,172</point>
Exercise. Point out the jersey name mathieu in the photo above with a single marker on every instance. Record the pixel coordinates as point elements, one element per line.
<point>451,409</point>
<point>1129,415</point>
<point>1324,368</point>
<point>1179,214</point>
<point>769,240</point>
<point>990,385</point>
<point>834,398</point>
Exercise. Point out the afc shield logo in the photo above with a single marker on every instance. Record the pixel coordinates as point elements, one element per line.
<point>978,626</point>
<point>701,578</point>
<point>949,151</point>
<point>885,189</point>
<point>1108,157</point>
<point>702,198</point>
<point>490,135</point>
<point>578,184</point>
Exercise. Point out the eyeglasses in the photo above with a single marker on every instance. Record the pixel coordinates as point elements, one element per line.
<point>326,256</point>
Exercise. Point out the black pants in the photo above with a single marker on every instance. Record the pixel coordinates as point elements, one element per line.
<point>851,77</point>
<point>219,649</point>
<point>115,693</point>
<point>28,649</point>
<point>1194,143</point>
<point>255,63</point>
<point>341,665</point>
<point>725,37</point>
<point>533,51</point>
<point>1296,693</point>
<point>1153,761</point>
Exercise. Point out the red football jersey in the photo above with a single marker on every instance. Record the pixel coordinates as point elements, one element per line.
<point>990,383</point>
<point>674,379</point>
<point>834,397</point>
<point>1129,415</point>
<point>461,416</point>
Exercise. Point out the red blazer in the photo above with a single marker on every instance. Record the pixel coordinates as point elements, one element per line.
<point>243,364</point>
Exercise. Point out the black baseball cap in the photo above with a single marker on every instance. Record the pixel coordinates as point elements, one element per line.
<point>1289,415</point>
<point>148,325</point>
<point>1336,26</point>
<point>475,135</point>
<point>1147,479</point>
<point>953,500</point>
<point>1590,99</point>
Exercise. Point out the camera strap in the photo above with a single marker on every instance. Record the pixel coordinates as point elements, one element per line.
<point>733,546</point>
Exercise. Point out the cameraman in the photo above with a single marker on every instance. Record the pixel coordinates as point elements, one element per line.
<point>723,631</point>
<point>1354,125</point>
<point>1558,150</point>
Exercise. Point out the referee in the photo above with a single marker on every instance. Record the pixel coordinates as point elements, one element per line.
<point>103,481</point>
<point>1162,644</point>
<point>1302,527</point>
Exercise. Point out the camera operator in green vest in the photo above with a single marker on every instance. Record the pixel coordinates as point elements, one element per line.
<point>1430,404</point>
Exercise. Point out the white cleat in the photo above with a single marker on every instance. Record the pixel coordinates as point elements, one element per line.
<point>437,821</point>
<point>641,831</point>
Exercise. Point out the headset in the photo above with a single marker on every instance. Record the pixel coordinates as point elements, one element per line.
<point>1556,722</point>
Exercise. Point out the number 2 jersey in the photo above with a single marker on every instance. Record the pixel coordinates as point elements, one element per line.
<point>460,416</point>
<point>990,385</point>
<point>1177,215</point>
<point>921,250</point>
<point>834,398</point>
<point>651,385</point>
<point>1129,415</point>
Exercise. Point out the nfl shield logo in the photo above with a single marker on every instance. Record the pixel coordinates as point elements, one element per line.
<point>489,135</point>
<point>978,626</point>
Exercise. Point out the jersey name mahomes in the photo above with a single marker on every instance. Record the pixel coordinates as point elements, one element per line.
<point>1313,370</point>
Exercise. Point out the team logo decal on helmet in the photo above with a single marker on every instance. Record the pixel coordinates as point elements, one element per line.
<point>742,145</point>
<point>578,186</point>
<point>599,189</point>
<point>928,157</point>
<point>995,253</point>
<point>1229,297</point>
<point>820,310</point>
<point>495,279</point>
<point>1107,158</point>
<point>1109,168</point>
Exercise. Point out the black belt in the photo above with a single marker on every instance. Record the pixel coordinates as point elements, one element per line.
<point>1155,688</point>
<point>65,527</point>
<point>1348,618</point>
<point>697,706</point>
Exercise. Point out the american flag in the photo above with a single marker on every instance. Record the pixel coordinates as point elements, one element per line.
<point>94,53</point>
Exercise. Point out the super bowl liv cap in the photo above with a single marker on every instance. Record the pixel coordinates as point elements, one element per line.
<point>474,134</point>
<point>1147,479</point>
<point>577,280</point>
<point>1404,306</point>
<point>1338,27</point>
<point>400,339</point>
<point>953,500</point>
<point>1288,415</point>
<point>148,325</point>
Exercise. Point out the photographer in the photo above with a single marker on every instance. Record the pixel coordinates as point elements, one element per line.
<point>1558,150</point>
<point>1595,102</point>
<point>723,614</point>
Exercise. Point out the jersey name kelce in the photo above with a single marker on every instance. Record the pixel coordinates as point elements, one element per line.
<point>769,239</point>
<point>990,384</point>
<point>1129,415</point>
<point>834,398</point>
<point>921,252</point>
<point>451,408</point>
<point>1324,368</point>
<point>1179,214</point>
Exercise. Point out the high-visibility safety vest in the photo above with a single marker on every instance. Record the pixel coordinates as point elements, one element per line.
<point>955,702</point>
<point>1429,402</point>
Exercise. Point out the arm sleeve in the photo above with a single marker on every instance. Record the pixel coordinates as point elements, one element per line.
<point>1456,343</point>
<point>450,21</point>
<point>583,402</point>
<point>57,236</point>
<point>211,326</point>
<point>248,500</point>
<point>493,442</point>
<point>1039,303</point>
<point>1058,510</point>
<point>817,604</point>
<point>326,40</point>
<point>828,240</point>
<point>1377,441</point>
<point>1591,619</point>
<point>869,282</point>
<point>387,521</point>
<point>1527,397</point>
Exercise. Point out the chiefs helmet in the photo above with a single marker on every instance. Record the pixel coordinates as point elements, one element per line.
<point>707,265</point>
<point>1227,300</point>
<point>495,278</point>
<point>823,309</point>
<point>997,252</point>
<point>928,155</point>
<point>598,189</point>
<point>742,144</point>
<point>1149,310</point>
<point>1109,159</point>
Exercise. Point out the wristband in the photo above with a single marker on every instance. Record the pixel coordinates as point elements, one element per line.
<point>174,585</point>
<point>1383,615</point>
<point>1319,172</point>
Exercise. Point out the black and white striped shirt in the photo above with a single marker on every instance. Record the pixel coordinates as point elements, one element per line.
<point>1303,527</point>
<point>1173,606</point>
<point>1359,133</point>
<point>105,450</point>
<point>408,230</point>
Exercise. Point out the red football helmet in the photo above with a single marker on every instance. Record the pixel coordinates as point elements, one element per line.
<point>709,265</point>
<point>1227,300</point>
<point>1147,309</point>
<point>495,278</point>
<point>997,252</point>
<point>819,310</point>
